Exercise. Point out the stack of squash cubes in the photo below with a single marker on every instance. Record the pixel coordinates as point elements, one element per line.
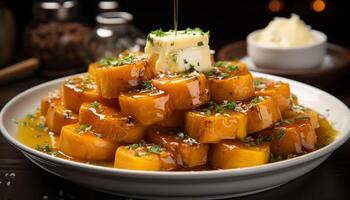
<point>224,118</point>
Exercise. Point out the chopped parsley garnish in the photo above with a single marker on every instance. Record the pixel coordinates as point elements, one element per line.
<point>114,61</point>
<point>219,108</point>
<point>200,43</point>
<point>275,158</point>
<point>255,101</point>
<point>44,148</point>
<point>30,116</point>
<point>191,68</point>
<point>97,106</point>
<point>185,61</point>
<point>257,82</point>
<point>301,117</point>
<point>287,121</point>
<point>196,31</point>
<point>83,128</point>
<point>232,68</point>
<point>158,33</point>
<point>147,85</point>
<point>142,149</point>
<point>280,133</point>
<point>156,149</point>
<point>41,127</point>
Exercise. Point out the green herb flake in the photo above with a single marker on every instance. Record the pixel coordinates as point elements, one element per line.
<point>255,101</point>
<point>280,133</point>
<point>275,158</point>
<point>158,33</point>
<point>95,104</point>
<point>30,116</point>
<point>200,43</point>
<point>302,117</point>
<point>233,68</point>
<point>156,149</point>
<point>83,128</point>
<point>114,61</point>
<point>41,127</point>
<point>147,85</point>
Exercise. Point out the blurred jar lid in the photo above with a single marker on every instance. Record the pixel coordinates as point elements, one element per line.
<point>114,18</point>
<point>107,6</point>
<point>59,10</point>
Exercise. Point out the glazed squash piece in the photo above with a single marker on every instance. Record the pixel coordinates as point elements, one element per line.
<point>277,90</point>
<point>298,111</point>
<point>78,141</point>
<point>228,154</point>
<point>176,119</point>
<point>112,124</point>
<point>231,86</point>
<point>187,151</point>
<point>80,89</point>
<point>116,75</point>
<point>53,97</point>
<point>58,116</point>
<point>262,113</point>
<point>147,107</point>
<point>216,122</point>
<point>292,136</point>
<point>142,156</point>
<point>186,91</point>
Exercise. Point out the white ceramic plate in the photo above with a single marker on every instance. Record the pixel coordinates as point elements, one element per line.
<point>182,185</point>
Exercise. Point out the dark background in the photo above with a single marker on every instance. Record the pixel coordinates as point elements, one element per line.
<point>228,20</point>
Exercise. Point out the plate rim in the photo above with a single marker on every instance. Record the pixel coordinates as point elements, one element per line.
<point>343,137</point>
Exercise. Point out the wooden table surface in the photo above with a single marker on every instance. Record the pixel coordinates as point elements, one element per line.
<point>22,180</point>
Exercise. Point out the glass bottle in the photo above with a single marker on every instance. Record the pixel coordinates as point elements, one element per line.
<point>57,37</point>
<point>114,34</point>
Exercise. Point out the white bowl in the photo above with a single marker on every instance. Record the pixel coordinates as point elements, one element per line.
<point>182,185</point>
<point>308,56</point>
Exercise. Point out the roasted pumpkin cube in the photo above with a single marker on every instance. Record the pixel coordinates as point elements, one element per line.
<point>262,113</point>
<point>147,107</point>
<point>58,116</point>
<point>53,97</point>
<point>188,152</point>
<point>293,136</point>
<point>207,126</point>
<point>228,154</point>
<point>277,90</point>
<point>176,119</point>
<point>79,142</point>
<point>111,123</point>
<point>116,75</point>
<point>80,89</point>
<point>231,87</point>
<point>186,91</point>
<point>298,111</point>
<point>148,157</point>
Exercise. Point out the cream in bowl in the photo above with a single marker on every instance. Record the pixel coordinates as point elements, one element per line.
<point>287,43</point>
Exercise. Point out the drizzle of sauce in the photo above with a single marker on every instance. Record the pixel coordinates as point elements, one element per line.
<point>175,16</point>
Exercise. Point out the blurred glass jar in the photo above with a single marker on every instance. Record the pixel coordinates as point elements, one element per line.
<point>114,34</point>
<point>57,37</point>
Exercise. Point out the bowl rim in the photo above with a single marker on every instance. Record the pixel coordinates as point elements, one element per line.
<point>340,139</point>
<point>322,40</point>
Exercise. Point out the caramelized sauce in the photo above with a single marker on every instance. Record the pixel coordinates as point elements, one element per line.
<point>33,133</point>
